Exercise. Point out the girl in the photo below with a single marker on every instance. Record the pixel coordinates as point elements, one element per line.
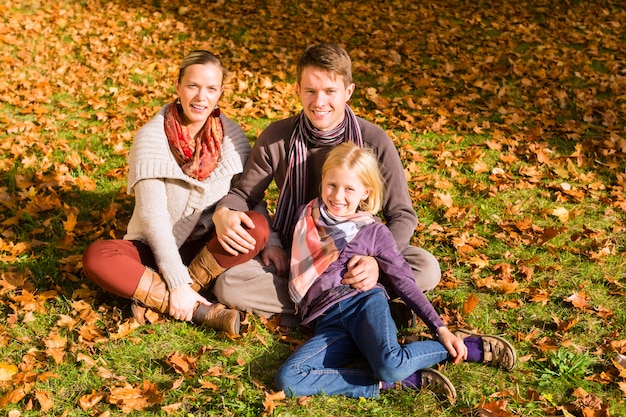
<point>331,233</point>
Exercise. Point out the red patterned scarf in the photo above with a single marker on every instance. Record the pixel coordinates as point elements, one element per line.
<point>197,156</point>
<point>317,240</point>
<point>292,195</point>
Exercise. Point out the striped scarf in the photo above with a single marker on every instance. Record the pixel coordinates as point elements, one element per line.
<point>196,157</point>
<point>293,193</point>
<point>317,240</point>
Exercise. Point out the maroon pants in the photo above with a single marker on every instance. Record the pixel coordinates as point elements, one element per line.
<point>117,265</point>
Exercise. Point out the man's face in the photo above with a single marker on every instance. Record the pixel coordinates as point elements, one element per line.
<point>323,98</point>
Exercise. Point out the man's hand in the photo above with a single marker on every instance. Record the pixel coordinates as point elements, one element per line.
<point>453,344</point>
<point>277,256</point>
<point>362,273</point>
<point>183,301</point>
<point>230,231</point>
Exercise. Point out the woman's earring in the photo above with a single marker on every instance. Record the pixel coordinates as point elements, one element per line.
<point>178,100</point>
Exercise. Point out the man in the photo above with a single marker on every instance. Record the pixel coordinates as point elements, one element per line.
<point>291,152</point>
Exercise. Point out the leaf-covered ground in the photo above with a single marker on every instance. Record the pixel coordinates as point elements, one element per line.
<point>509,116</point>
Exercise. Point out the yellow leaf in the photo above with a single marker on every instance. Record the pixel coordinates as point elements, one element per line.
<point>70,223</point>
<point>7,370</point>
<point>561,213</point>
<point>480,167</point>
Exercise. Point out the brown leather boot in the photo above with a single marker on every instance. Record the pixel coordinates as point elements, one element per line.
<point>217,316</point>
<point>203,269</point>
<point>151,292</point>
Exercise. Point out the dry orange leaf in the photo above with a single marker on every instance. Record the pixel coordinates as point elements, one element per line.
<point>494,409</point>
<point>565,325</point>
<point>45,400</point>
<point>269,403</point>
<point>470,303</point>
<point>171,408</point>
<point>182,364</point>
<point>124,329</point>
<point>578,300</point>
<point>135,398</point>
<point>13,396</point>
<point>208,385</point>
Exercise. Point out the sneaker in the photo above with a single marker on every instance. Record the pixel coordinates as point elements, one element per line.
<point>496,350</point>
<point>436,382</point>
<point>402,314</point>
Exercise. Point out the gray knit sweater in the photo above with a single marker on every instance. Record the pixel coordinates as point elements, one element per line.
<point>170,206</point>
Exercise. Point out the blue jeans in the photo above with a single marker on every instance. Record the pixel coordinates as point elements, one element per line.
<point>359,325</point>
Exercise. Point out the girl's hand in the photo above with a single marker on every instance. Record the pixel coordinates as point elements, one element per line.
<point>453,344</point>
<point>183,302</point>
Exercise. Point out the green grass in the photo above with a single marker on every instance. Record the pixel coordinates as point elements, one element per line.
<point>503,84</point>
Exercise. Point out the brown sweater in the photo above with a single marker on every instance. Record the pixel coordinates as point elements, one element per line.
<point>268,161</point>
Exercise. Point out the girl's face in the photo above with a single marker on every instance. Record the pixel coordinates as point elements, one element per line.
<point>323,99</point>
<point>199,90</point>
<point>342,191</point>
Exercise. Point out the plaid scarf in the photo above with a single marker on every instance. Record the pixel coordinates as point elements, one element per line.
<point>197,158</point>
<point>293,194</point>
<point>317,240</point>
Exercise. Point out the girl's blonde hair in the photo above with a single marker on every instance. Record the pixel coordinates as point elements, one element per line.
<point>363,163</point>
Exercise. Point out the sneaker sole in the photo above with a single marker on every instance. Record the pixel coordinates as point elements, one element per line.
<point>436,382</point>
<point>464,333</point>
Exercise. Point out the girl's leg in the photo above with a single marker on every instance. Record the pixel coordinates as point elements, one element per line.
<point>375,333</point>
<point>117,265</point>
<point>319,365</point>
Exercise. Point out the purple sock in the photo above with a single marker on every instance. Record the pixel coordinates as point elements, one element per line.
<point>474,349</point>
<point>413,381</point>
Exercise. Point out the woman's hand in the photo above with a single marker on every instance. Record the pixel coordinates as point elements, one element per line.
<point>453,344</point>
<point>183,301</point>
<point>230,231</point>
<point>362,273</point>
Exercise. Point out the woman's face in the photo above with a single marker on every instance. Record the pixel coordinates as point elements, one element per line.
<point>199,90</point>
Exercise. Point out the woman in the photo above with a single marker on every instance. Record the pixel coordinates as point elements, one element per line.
<point>182,162</point>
